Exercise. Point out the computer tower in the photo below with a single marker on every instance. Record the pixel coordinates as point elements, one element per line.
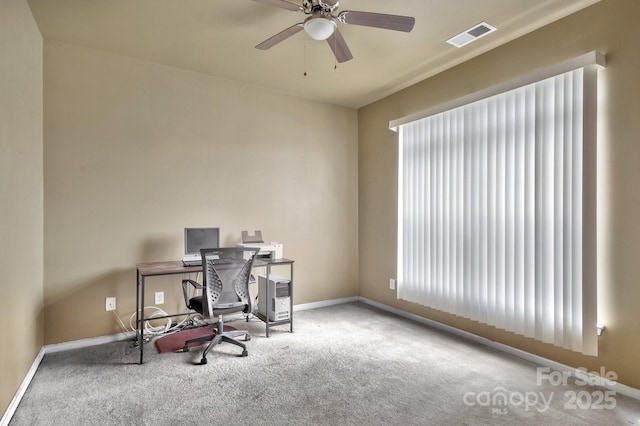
<point>279,307</point>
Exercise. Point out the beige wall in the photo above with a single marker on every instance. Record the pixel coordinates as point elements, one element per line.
<point>21,265</point>
<point>609,27</point>
<point>129,147</point>
<point>135,151</point>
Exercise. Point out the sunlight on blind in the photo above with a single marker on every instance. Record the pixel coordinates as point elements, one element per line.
<point>490,212</point>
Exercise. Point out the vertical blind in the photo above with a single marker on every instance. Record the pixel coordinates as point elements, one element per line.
<point>490,211</point>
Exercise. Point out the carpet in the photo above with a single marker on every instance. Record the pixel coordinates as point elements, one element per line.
<point>344,365</point>
<point>175,341</point>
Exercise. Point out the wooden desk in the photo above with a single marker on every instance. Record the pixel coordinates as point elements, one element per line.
<point>154,269</point>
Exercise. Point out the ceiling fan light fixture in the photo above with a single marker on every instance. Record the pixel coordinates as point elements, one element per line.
<point>319,27</point>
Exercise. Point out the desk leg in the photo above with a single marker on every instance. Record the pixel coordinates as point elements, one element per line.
<point>139,314</point>
<point>267,312</point>
<point>291,299</point>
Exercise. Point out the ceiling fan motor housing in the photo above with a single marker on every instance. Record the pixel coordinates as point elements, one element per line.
<point>326,7</point>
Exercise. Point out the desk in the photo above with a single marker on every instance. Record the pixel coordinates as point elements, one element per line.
<point>154,269</point>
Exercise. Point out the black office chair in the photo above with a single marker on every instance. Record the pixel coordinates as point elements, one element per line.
<point>226,272</point>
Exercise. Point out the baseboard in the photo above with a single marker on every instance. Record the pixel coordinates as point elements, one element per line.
<point>85,343</point>
<point>616,387</point>
<point>13,405</point>
<point>324,303</point>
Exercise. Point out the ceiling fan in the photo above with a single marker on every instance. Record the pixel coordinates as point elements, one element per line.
<point>322,24</point>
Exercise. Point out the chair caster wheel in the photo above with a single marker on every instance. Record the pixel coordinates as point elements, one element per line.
<point>244,353</point>
<point>203,361</point>
<point>247,338</point>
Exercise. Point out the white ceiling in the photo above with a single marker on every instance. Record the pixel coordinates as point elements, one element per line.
<point>217,37</point>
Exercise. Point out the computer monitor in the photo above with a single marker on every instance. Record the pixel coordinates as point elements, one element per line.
<point>199,238</point>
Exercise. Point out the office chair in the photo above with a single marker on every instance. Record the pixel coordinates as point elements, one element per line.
<point>225,290</point>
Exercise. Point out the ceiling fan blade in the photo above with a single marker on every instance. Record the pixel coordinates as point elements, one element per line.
<point>282,4</point>
<point>378,20</point>
<point>339,47</point>
<point>282,35</point>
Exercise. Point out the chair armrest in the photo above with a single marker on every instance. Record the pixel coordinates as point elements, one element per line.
<point>185,293</point>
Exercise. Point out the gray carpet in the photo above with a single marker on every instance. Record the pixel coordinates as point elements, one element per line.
<point>344,365</point>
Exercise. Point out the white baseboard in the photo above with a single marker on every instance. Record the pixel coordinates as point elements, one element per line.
<point>324,303</point>
<point>13,405</point>
<point>85,343</point>
<point>616,387</point>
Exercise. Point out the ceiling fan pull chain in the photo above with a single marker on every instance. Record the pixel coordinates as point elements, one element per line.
<point>335,58</point>
<point>304,55</point>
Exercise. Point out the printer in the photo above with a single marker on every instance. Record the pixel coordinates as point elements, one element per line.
<point>269,251</point>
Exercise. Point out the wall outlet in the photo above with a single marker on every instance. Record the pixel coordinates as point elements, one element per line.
<point>159,297</point>
<point>111,304</point>
<point>392,284</point>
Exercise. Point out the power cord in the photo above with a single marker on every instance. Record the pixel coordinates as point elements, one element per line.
<point>169,327</point>
<point>120,323</point>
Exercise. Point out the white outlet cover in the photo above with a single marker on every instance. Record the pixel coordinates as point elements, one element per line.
<point>110,304</point>
<point>159,297</point>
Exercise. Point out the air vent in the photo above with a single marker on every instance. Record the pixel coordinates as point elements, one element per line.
<point>472,34</point>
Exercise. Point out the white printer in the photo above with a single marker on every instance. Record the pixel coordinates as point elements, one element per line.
<point>267,250</point>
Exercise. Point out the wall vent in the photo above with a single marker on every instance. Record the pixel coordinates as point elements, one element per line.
<point>472,34</point>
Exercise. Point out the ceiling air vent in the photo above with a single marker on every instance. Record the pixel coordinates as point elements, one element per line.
<point>472,34</point>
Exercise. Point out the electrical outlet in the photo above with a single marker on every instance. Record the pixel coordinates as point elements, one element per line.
<point>392,284</point>
<point>111,304</point>
<point>159,297</point>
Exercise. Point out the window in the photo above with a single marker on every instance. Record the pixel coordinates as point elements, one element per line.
<point>496,207</point>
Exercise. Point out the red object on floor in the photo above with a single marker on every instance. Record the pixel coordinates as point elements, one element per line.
<point>175,341</point>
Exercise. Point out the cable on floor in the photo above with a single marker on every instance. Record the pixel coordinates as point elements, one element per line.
<point>169,327</point>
